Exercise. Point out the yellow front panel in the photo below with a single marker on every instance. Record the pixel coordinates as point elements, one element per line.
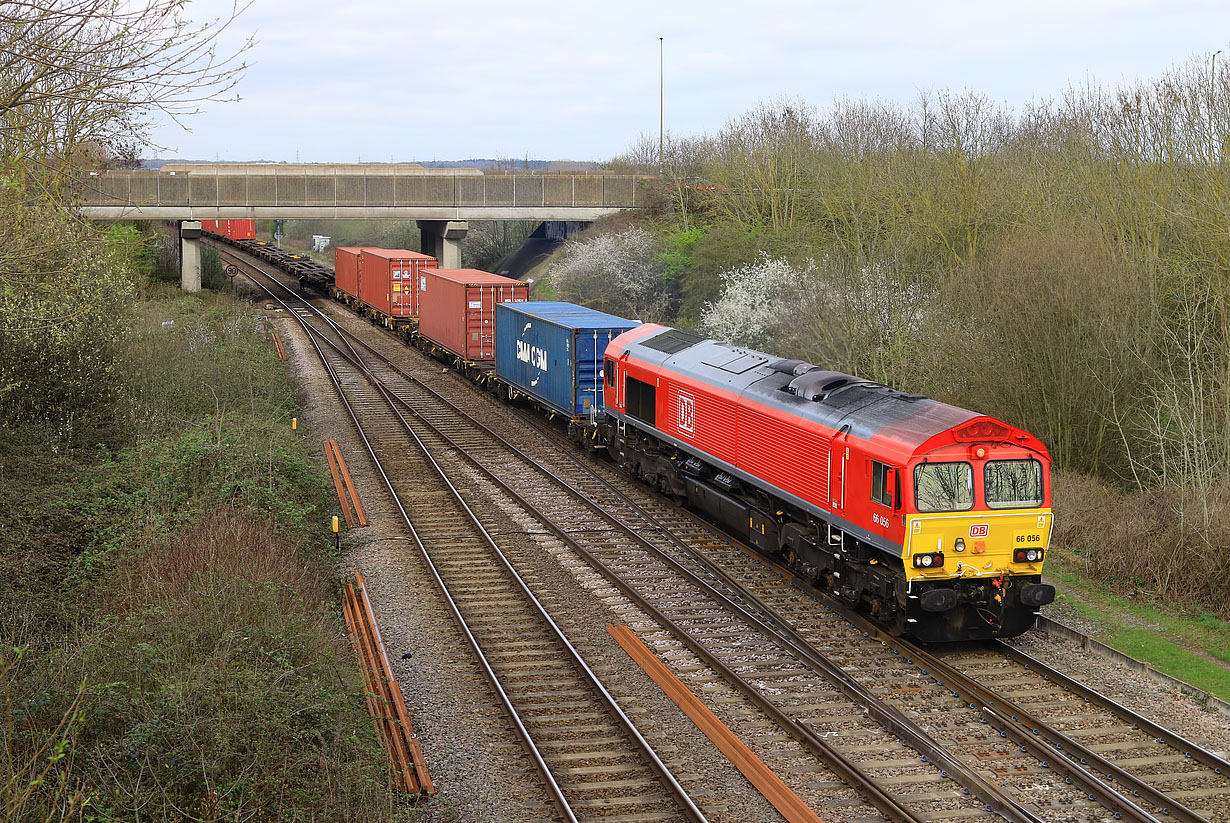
<point>999,534</point>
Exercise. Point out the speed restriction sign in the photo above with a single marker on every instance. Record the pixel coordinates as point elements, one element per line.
<point>231,271</point>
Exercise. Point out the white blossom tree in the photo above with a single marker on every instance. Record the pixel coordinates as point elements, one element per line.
<point>755,298</point>
<point>619,272</point>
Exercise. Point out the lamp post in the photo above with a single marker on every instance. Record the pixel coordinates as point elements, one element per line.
<point>1212,93</point>
<point>661,102</point>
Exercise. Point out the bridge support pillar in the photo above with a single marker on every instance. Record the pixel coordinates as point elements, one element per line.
<point>442,240</point>
<point>190,255</point>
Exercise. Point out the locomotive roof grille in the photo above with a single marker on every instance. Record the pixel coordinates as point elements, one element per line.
<point>673,341</point>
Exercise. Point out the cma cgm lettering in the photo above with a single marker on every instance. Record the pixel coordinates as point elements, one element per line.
<point>533,355</point>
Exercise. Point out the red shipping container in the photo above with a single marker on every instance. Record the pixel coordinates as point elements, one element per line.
<point>241,229</point>
<point>457,308</point>
<point>387,278</point>
<point>346,269</point>
<point>210,226</point>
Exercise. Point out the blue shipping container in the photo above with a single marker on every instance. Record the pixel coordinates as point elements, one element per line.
<point>553,352</point>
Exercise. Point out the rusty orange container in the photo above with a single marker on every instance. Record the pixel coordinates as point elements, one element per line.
<point>387,278</point>
<point>457,309</point>
<point>346,269</point>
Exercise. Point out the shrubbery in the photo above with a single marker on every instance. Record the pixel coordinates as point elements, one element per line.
<point>63,313</point>
<point>619,273</point>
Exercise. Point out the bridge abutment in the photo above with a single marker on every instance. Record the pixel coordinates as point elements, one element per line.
<point>190,255</point>
<point>442,240</point>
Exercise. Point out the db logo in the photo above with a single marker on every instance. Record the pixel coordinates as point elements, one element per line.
<point>979,530</point>
<point>687,413</point>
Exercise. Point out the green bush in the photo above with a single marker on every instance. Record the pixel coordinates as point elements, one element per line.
<point>176,582</point>
<point>65,302</point>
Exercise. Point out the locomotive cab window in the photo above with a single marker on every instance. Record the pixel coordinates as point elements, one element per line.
<point>1013,484</point>
<point>608,368</point>
<point>881,487</point>
<point>944,487</point>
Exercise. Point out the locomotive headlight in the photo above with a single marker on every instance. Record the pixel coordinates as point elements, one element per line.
<point>1032,555</point>
<point>959,545</point>
<point>926,560</point>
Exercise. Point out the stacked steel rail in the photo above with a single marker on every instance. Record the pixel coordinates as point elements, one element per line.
<point>384,698</point>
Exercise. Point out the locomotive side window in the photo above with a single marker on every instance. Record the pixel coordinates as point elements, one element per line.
<point>1013,484</point>
<point>608,367</point>
<point>881,491</point>
<point>944,487</point>
<point>641,401</point>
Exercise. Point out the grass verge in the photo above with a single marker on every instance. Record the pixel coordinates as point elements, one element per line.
<point>1193,648</point>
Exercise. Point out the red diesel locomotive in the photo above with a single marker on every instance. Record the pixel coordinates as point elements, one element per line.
<point>933,519</point>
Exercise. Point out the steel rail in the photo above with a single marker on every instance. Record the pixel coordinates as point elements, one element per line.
<point>1028,734</point>
<point>1219,765</point>
<point>686,804</point>
<point>1028,730</point>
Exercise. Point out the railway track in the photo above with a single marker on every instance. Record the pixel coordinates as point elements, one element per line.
<point>887,680</point>
<point>594,762</point>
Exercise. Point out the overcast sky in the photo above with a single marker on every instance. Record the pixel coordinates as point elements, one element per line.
<point>380,80</point>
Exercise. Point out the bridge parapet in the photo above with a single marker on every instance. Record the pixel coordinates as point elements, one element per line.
<point>291,191</point>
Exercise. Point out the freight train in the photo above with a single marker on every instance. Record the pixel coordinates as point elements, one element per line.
<point>933,520</point>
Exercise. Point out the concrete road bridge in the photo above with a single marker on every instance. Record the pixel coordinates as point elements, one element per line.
<point>441,200</point>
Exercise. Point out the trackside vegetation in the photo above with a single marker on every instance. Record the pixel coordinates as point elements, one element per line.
<point>1065,267</point>
<point>170,644</point>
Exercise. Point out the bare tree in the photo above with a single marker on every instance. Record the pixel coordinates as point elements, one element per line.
<point>78,81</point>
<point>765,158</point>
<point>92,70</point>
